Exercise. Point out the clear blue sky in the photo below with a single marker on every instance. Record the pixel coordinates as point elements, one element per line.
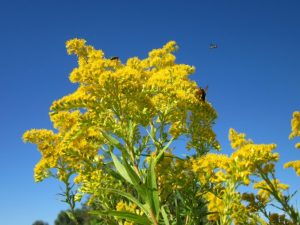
<point>253,77</point>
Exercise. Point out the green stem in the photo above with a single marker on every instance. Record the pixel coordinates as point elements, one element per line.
<point>70,198</point>
<point>287,208</point>
<point>152,216</point>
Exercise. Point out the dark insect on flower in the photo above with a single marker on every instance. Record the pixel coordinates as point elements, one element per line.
<point>114,58</point>
<point>201,93</point>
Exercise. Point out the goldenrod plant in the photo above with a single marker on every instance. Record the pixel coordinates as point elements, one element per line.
<point>113,146</point>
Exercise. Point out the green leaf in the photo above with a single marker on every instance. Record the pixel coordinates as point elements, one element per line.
<point>177,211</point>
<point>152,192</point>
<point>131,198</point>
<point>113,173</point>
<point>138,219</point>
<point>71,216</point>
<point>115,142</point>
<point>120,168</point>
<point>164,215</point>
<point>126,171</point>
<point>152,133</point>
<point>152,189</point>
<point>133,175</point>
<point>160,154</point>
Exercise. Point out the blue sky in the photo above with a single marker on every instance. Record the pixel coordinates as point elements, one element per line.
<point>253,77</point>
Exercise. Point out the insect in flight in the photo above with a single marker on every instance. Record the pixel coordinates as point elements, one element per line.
<point>213,46</point>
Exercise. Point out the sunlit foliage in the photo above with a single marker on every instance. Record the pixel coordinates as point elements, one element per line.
<point>114,140</point>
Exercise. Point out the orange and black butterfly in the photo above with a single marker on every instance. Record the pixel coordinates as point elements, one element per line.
<point>201,93</point>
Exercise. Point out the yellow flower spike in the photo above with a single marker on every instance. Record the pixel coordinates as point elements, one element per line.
<point>64,120</point>
<point>295,124</point>
<point>131,207</point>
<point>121,206</point>
<point>237,140</point>
<point>171,46</point>
<point>265,191</point>
<point>128,223</point>
<point>295,165</point>
<point>76,46</point>
<point>246,181</point>
<point>41,171</point>
<point>113,96</point>
<point>249,157</point>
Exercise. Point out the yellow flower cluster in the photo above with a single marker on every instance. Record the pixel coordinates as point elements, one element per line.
<point>246,160</point>
<point>93,180</point>
<point>68,150</point>
<point>295,127</point>
<point>225,174</point>
<point>249,158</point>
<point>215,206</point>
<point>140,91</point>
<point>265,190</point>
<point>128,207</point>
<point>46,141</point>
<point>210,167</point>
<point>122,112</point>
<point>226,206</point>
<point>295,165</point>
<point>120,98</point>
<point>295,124</point>
<point>173,174</point>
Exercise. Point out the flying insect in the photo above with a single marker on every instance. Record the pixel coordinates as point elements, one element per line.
<point>213,46</point>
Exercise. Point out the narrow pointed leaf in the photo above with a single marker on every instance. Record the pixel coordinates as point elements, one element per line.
<point>130,198</point>
<point>162,151</point>
<point>137,219</point>
<point>152,192</point>
<point>152,189</point>
<point>126,171</point>
<point>115,142</point>
<point>164,215</point>
<point>71,216</point>
<point>136,179</point>
<point>152,133</point>
<point>120,168</point>
<point>177,211</point>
